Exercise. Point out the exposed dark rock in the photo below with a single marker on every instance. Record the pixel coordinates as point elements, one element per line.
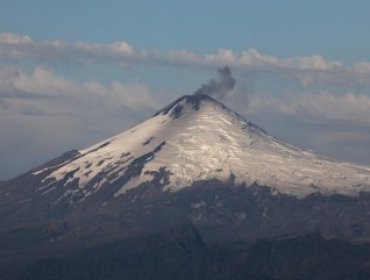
<point>147,141</point>
<point>176,112</point>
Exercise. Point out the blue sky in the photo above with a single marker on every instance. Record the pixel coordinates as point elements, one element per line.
<point>335,29</point>
<point>304,67</point>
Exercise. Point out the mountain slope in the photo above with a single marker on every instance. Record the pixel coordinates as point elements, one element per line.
<point>166,257</point>
<point>195,160</point>
<point>197,138</point>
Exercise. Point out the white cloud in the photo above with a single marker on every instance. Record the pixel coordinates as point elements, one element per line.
<point>133,96</point>
<point>44,92</point>
<point>14,39</point>
<point>222,56</point>
<point>306,69</point>
<point>322,106</point>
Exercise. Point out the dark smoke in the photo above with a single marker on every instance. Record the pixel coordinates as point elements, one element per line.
<point>219,87</point>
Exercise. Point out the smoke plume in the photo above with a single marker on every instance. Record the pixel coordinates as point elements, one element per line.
<point>219,87</point>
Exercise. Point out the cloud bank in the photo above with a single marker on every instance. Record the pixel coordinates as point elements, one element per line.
<point>306,69</point>
<point>43,92</point>
<point>327,106</point>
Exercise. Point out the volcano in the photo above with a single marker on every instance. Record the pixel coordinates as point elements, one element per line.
<point>195,166</point>
<point>194,139</point>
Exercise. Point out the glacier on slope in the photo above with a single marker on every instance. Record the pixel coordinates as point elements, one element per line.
<point>197,138</point>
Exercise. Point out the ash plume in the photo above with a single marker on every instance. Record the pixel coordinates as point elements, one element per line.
<point>219,87</point>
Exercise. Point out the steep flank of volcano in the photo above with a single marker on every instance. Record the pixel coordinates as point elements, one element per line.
<point>196,138</point>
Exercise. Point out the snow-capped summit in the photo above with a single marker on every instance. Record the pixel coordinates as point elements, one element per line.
<point>195,160</point>
<point>193,139</point>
